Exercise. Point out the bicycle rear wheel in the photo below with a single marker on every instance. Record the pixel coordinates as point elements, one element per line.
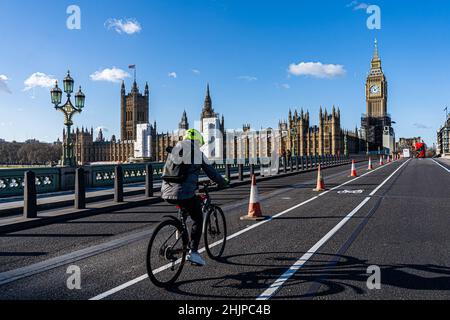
<point>166,253</point>
<point>215,233</point>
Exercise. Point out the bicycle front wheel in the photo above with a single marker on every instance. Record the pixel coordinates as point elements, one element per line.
<point>215,233</point>
<point>166,253</point>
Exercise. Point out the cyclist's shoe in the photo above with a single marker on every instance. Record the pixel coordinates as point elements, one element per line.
<point>196,259</point>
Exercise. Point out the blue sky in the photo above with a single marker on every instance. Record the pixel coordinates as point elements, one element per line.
<point>243,48</point>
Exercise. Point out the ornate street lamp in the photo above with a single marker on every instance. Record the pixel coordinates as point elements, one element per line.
<point>69,110</point>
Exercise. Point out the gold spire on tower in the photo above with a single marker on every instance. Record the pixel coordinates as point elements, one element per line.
<point>375,56</point>
<point>376,61</point>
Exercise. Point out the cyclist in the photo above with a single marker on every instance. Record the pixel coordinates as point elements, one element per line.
<point>180,191</point>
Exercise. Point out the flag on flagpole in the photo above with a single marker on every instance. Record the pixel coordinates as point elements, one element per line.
<point>133,66</point>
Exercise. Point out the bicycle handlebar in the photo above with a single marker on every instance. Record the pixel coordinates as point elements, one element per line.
<point>205,184</point>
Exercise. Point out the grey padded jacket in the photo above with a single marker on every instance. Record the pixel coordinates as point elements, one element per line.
<point>186,190</point>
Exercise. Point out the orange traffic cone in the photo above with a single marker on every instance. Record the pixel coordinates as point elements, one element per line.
<point>254,208</point>
<point>370,164</point>
<point>354,174</point>
<point>320,181</point>
<point>381,161</point>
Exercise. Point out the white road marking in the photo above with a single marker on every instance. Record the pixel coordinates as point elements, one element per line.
<point>351,192</point>
<point>387,179</point>
<point>441,165</point>
<point>267,294</point>
<point>145,276</point>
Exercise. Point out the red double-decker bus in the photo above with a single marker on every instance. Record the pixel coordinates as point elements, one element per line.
<point>420,150</point>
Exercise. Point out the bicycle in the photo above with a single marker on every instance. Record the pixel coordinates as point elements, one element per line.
<point>169,243</point>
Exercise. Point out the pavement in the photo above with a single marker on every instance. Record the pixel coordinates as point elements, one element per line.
<point>394,219</point>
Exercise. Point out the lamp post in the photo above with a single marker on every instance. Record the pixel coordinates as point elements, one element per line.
<point>69,110</point>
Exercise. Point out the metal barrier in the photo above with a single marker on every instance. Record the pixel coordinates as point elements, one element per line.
<point>12,181</point>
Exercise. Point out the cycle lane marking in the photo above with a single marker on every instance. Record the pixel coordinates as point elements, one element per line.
<point>167,266</point>
<point>277,285</point>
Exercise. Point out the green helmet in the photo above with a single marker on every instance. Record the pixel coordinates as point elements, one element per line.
<point>195,135</point>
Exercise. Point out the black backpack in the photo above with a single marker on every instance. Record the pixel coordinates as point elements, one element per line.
<point>172,172</point>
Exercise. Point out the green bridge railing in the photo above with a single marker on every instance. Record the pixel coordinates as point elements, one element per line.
<point>50,180</point>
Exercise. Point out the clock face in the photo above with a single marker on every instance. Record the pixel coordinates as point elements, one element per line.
<point>374,89</point>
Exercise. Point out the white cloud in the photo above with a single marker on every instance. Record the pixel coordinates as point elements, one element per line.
<point>172,75</point>
<point>39,79</point>
<point>128,26</point>
<point>282,86</point>
<point>248,78</point>
<point>316,69</point>
<point>361,6</point>
<point>110,75</point>
<point>357,5</point>
<point>421,126</point>
<point>4,84</point>
<point>195,71</point>
<point>104,129</point>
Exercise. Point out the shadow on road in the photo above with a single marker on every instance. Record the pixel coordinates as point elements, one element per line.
<point>318,279</point>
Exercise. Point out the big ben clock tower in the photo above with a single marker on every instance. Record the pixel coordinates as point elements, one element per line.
<point>376,118</point>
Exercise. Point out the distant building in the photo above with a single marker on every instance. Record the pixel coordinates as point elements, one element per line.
<point>326,138</point>
<point>164,140</point>
<point>212,129</point>
<point>408,144</point>
<point>443,139</point>
<point>376,121</point>
<point>134,111</point>
<point>389,140</point>
<point>101,150</point>
<point>143,145</point>
<point>211,126</point>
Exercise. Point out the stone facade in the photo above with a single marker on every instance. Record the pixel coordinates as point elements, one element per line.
<point>101,150</point>
<point>326,138</point>
<point>134,110</point>
<point>443,139</point>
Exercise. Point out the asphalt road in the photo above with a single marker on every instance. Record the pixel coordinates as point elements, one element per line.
<point>316,246</point>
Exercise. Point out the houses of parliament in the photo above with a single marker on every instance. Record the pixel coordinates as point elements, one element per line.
<point>140,139</point>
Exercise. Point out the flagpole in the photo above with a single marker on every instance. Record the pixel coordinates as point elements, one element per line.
<point>133,66</point>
